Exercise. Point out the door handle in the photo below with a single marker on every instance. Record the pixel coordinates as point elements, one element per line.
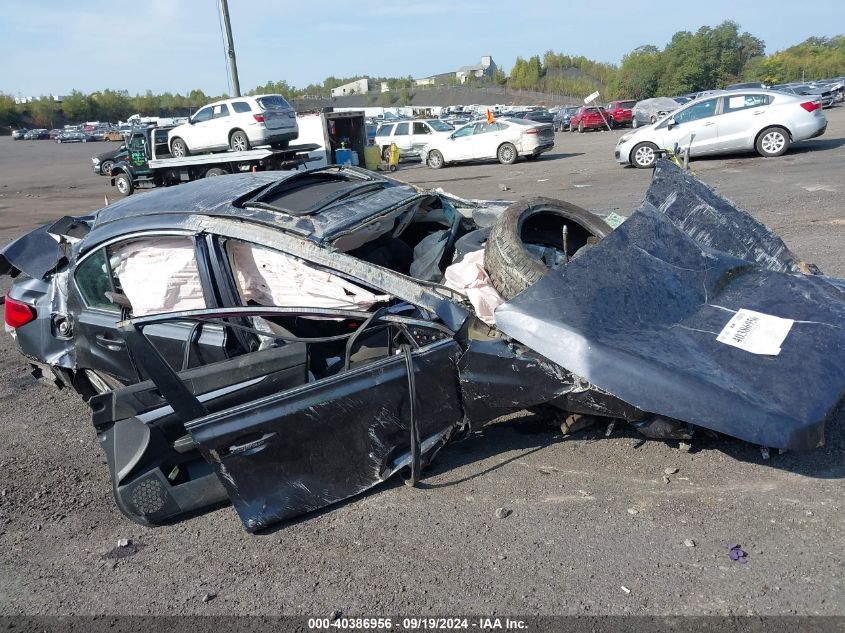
<point>250,446</point>
<point>709,123</point>
<point>758,112</point>
<point>113,344</point>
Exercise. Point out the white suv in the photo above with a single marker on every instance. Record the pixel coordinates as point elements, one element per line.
<point>238,124</point>
<point>411,136</point>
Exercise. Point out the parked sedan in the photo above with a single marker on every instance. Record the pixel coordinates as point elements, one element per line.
<point>503,139</point>
<point>18,134</point>
<point>563,118</point>
<point>288,340</point>
<point>70,136</point>
<point>102,163</point>
<point>37,135</point>
<point>765,121</point>
<point>589,118</point>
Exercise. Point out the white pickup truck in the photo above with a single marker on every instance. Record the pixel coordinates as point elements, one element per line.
<point>410,136</point>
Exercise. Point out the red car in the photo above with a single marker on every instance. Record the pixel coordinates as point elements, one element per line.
<point>620,112</point>
<point>589,118</point>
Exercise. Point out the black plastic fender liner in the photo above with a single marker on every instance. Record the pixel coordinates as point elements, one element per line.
<point>34,254</point>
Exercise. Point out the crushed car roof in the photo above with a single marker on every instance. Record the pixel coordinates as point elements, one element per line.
<point>357,197</point>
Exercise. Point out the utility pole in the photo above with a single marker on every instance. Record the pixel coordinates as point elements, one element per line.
<point>230,48</point>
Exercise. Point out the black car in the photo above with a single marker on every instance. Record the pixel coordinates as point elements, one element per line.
<point>541,116</point>
<point>286,340</point>
<point>37,135</point>
<point>102,163</point>
<point>72,136</point>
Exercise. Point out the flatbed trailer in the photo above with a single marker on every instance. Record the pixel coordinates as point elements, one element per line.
<point>149,163</point>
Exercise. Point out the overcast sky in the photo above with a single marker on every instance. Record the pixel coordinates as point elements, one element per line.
<point>54,46</point>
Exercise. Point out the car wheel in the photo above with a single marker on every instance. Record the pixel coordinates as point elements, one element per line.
<point>634,123</point>
<point>512,267</point>
<point>611,123</point>
<point>178,148</point>
<point>773,141</point>
<point>581,127</point>
<point>507,154</point>
<point>435,159</point>
<point>123,184</point>
<point>105,166</point>
<point>571,128</point>
<point>644,155</point>
<point>239,141</point>
<point>215,171</point>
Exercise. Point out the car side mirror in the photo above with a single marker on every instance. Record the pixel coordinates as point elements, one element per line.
<point>671,123</point>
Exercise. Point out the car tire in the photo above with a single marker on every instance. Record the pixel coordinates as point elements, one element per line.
<point>581,127</point>
<point>179,148</point>
<point>611,123</point>
<point>771,142</point>
<point>105,166</point>
<point>239,141</point>
<point>507,153</point>
<point>215,171</point>
<point>123,184</point>
<point>634,123</point>
<point>644,155</point>
<point>571,128</point>
<point>512,268</point>
<point>435,159</point>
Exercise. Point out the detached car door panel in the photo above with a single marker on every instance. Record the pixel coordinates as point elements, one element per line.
<point>299,450</point>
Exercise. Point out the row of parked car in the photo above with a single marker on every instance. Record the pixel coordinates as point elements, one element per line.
<point>70,134</point>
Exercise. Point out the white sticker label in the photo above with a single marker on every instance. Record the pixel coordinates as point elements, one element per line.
<point>736,102</point>
<point>756,332</point>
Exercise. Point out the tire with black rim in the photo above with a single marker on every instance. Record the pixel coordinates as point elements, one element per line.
<point>105,166</point>
<point>215,171</point>
<point>238,141</point>
<point>771,142</point>
<point>507,154</point>
<point>123,184</point>
<point>179,148</point>
<point>537,221</point>
<point>644,155</point>
<point>435,159</point>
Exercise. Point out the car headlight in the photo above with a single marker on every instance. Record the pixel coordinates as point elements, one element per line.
<point>625,138</point>
<point>96,161</point>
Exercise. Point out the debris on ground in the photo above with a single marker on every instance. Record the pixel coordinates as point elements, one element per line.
<point>633,511</point>
<point>504,187</point>
<point>736,552</point>
<point>124,542</point>
<point>503,513</point>
<point>576,422</point>
<point>335,615</point>
<point>689,542</point>
<point>666,480</point>
<point>625,589</point>
<point>670,471</point>
<point>209,596</point>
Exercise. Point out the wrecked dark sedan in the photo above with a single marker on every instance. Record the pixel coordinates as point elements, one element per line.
<point>288,340</point>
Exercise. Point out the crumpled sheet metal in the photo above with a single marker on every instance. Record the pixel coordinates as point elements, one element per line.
<point>638,316</point>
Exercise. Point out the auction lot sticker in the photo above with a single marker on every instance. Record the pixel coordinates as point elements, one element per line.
<point>755,332</point>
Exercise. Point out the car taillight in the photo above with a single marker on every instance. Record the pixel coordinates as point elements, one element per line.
<point>811,106</point>
<point>259,118</point>
<point>533,130</point>
<point>18,313</point>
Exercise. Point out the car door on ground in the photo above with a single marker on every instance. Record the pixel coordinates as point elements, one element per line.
<point>694,126</point>
<point>742,115</point>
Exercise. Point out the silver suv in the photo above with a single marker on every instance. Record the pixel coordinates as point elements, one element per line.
<point>237,124</point>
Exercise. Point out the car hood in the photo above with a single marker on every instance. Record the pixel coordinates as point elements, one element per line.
<point>643,315</point>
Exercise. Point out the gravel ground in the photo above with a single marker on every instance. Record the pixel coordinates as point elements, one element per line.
<point>591,516</point>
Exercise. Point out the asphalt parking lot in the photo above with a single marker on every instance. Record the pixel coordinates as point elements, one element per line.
<point>600,523</point>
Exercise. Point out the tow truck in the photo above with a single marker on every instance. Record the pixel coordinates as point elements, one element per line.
<point>149,163</point>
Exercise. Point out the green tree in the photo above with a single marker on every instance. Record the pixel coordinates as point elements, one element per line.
<point>44,111</point>
<point>9,113</point>
<point>76,106</point>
